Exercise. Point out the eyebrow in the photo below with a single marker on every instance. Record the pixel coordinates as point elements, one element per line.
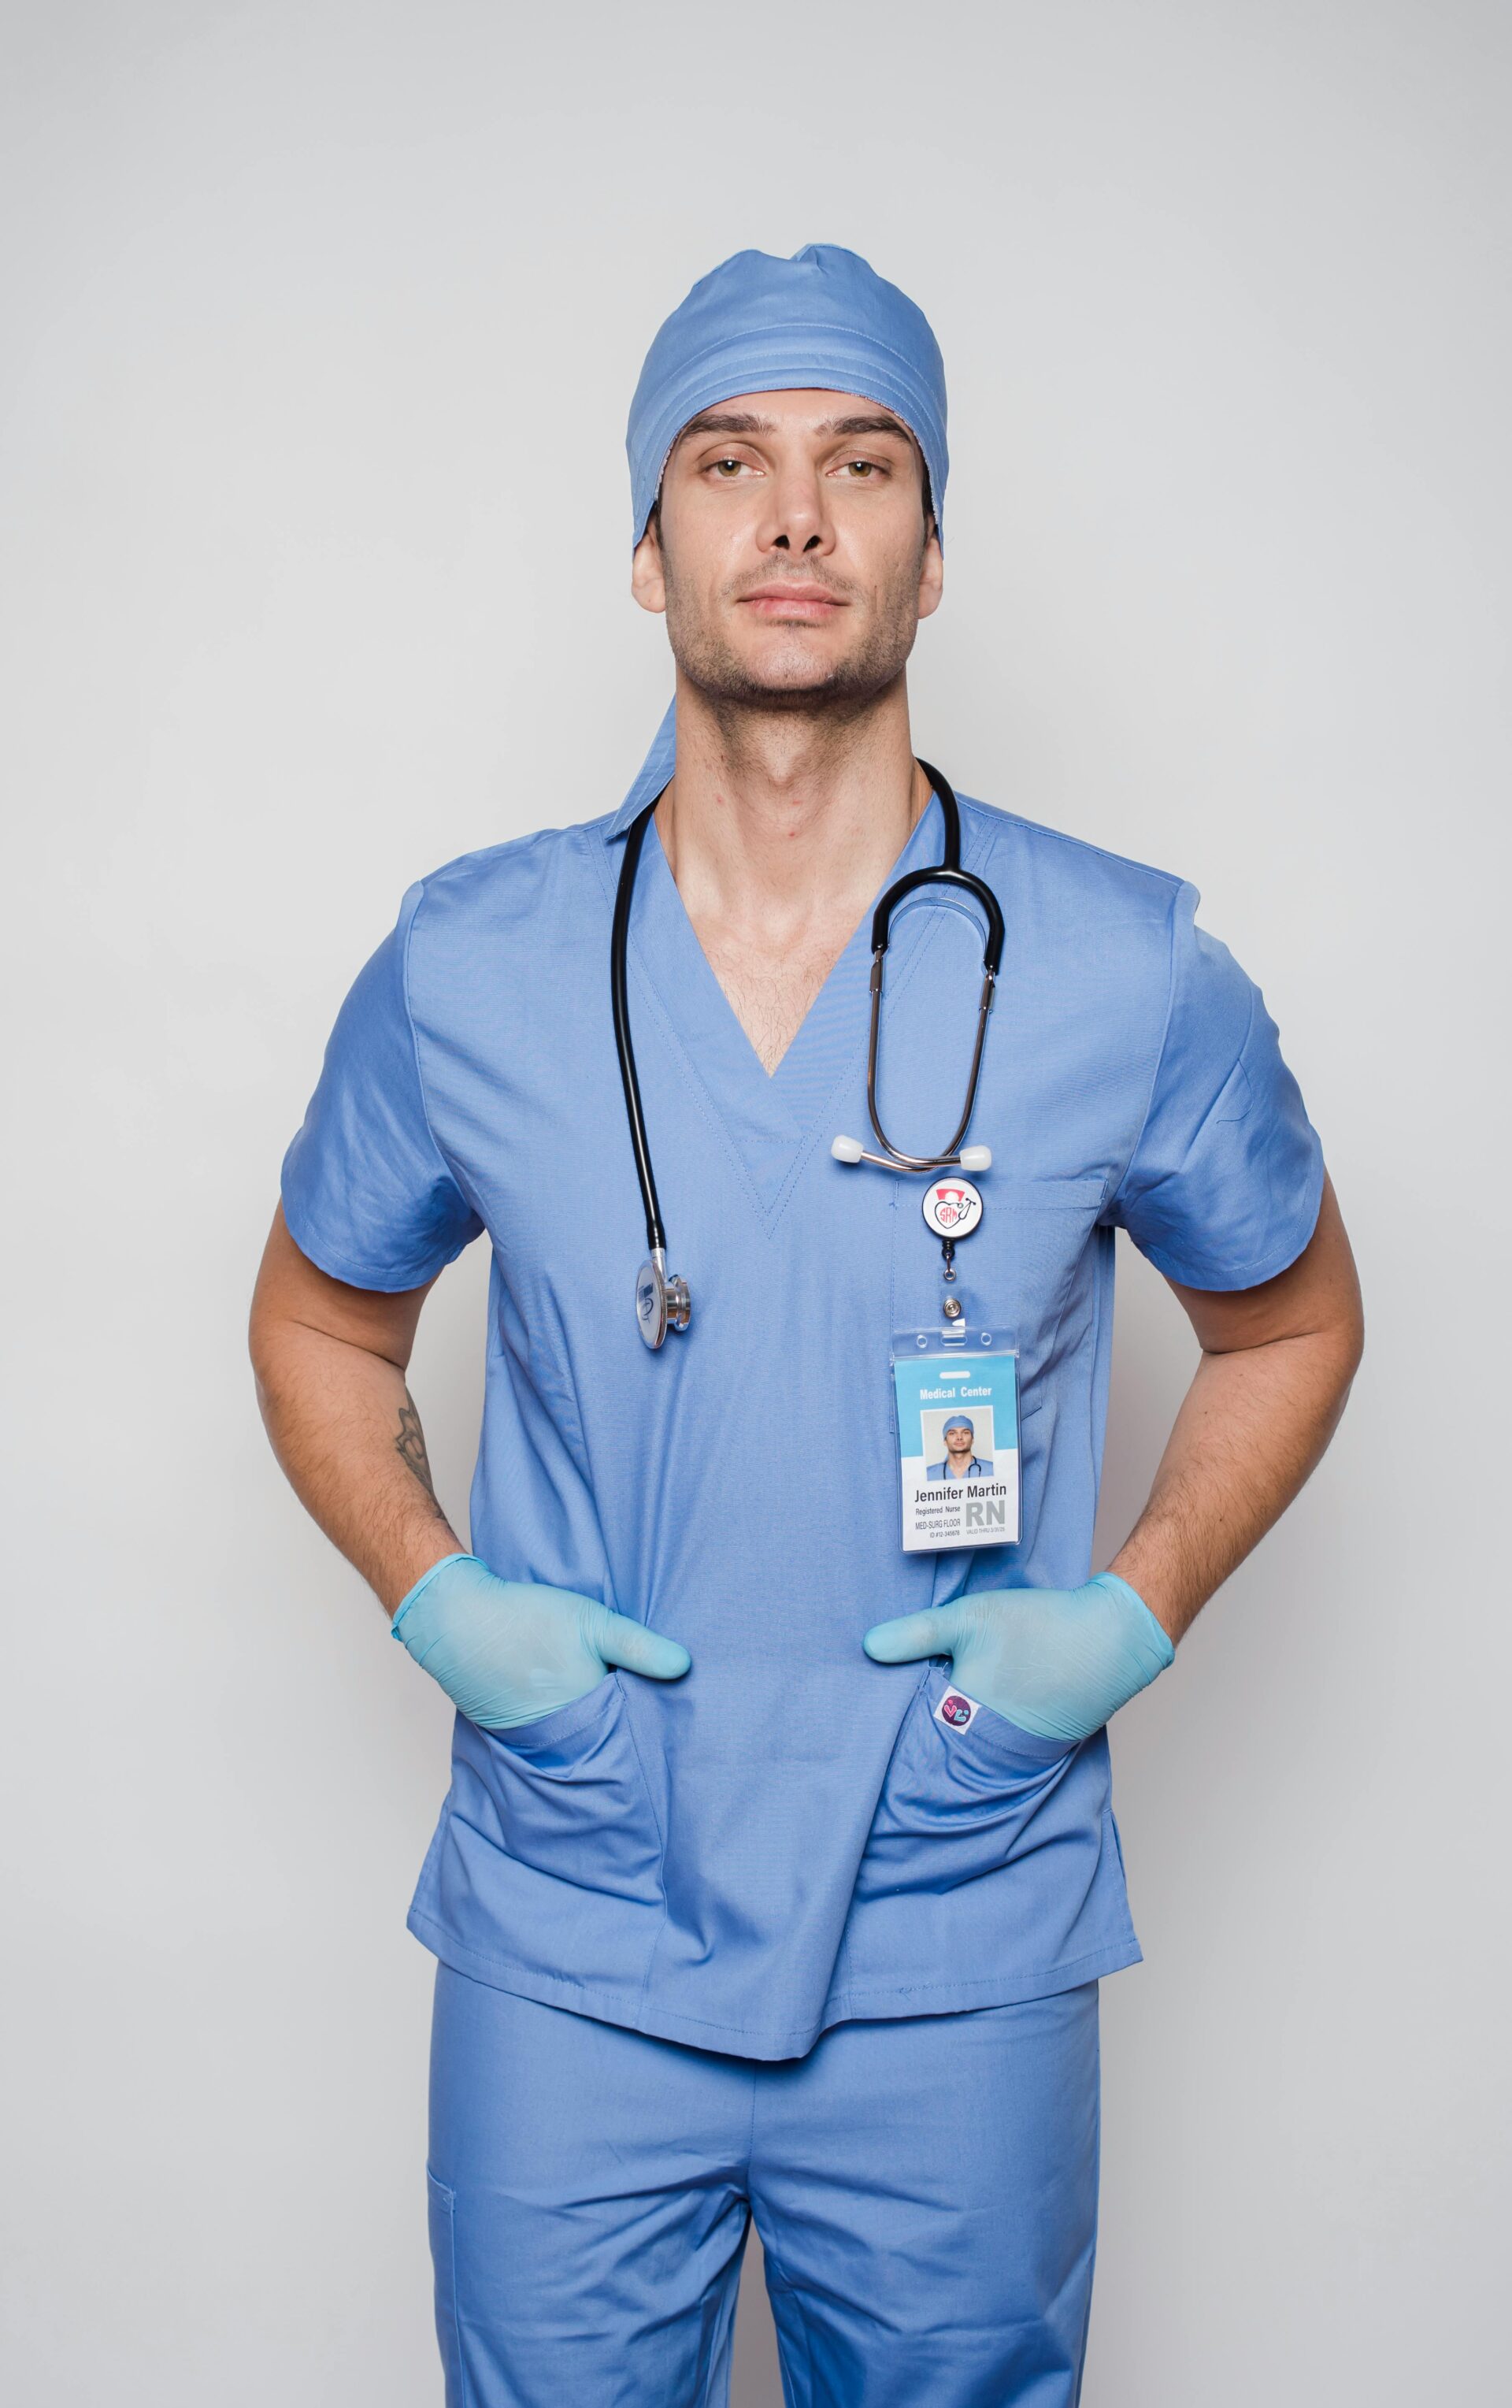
<point>746,422</point>
<point>728,422</point>
<point>863,425</point>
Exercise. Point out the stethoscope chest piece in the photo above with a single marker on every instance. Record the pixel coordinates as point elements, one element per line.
<point>661,1301</point>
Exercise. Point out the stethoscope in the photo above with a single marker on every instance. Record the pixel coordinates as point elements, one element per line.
<point>662,1301</point>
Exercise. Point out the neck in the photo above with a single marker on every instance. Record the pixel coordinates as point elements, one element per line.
<point>782,820</point>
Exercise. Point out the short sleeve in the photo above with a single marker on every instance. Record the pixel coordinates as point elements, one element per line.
<point>367,1193</point>
<point>1224,1183</point>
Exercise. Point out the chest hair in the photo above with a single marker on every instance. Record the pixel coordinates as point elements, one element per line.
<point>772,989</point>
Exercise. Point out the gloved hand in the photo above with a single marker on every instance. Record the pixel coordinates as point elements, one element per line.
<point>1057,1661</point>
<point>508,1652</point>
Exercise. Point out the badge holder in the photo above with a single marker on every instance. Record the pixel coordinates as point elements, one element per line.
<point>956,1390</point>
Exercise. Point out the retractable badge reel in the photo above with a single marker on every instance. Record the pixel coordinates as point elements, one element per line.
<point>952,1209</point>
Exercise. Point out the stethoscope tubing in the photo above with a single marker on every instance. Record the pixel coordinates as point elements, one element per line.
<point>946,872</point>
<point>623,1042</point>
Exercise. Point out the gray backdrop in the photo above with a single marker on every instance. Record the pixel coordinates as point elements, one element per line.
<point>319,324</point>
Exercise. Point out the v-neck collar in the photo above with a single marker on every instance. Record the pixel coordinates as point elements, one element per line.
<point>773,1119</point>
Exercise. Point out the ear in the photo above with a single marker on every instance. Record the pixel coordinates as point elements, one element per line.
<point>931,574</point>
<point>648,575</point>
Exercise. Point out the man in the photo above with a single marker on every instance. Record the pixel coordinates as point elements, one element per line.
<point>960,1462</point>
<point>743,1906</point>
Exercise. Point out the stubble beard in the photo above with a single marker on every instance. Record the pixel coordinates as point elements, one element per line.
<point>791,682</point>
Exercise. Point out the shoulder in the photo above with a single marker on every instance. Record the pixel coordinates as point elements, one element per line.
<point>1093,924</point>
<point>522,910</point>
<point>513,879</point>
<point>1059,864</point>
<point>494,931</point>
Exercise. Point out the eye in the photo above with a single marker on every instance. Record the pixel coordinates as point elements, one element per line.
<point>727,468</point>
<point>861,469</point>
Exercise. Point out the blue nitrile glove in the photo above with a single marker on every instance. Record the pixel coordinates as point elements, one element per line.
<point>1057,1661</point>
<point>508,1652</point>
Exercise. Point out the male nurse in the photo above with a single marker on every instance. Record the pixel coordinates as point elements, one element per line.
<point>961,1460</point>
<point>778,1869</point>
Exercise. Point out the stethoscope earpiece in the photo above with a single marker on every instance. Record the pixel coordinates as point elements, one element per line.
<point>970,1158</point>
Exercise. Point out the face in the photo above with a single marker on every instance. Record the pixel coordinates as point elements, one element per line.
<point>958,1439</point>
<point>794,560</point>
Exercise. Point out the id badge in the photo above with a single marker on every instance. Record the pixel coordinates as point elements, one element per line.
<point>958,1438</point>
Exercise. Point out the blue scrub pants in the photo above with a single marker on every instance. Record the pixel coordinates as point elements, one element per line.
<point>925,2191</point>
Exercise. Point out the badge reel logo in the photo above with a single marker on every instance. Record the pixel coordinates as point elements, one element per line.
<point>956,1710</point>
<point>953,1206</point>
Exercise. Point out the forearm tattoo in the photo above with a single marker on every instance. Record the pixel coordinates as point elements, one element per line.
<point>410,1446</point>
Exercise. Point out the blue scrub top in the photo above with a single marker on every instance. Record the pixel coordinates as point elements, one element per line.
<point>789,1836</point>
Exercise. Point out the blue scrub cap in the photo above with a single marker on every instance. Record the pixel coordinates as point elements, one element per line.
<point>821,320</point>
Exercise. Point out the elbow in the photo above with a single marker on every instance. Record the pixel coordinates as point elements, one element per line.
<point>268,1336</point>
<point>1356,1340</point>
<point>1343,1313</point>
<point>1347,1350</point>
<point>260,1335</point>
<point>1352,1325</point>
<point>263,1354</point>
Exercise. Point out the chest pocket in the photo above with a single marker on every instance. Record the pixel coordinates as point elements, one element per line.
<point>1018,1271</point>
<point>956,1804</point>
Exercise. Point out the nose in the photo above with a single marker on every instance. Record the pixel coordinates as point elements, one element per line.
<point>797,519</point>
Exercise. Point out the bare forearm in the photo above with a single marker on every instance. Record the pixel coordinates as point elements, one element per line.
<point>345,1429</point>
<point>1254,1426</point>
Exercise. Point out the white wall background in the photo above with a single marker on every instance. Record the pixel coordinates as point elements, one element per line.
<point>319,322</point>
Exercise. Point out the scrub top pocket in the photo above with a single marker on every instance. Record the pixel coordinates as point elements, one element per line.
<point>1017,1271</point>
<point>565,1794</point>
<point>956,1804</point>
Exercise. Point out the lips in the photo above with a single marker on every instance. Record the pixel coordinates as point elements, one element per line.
<point>811,602</point>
